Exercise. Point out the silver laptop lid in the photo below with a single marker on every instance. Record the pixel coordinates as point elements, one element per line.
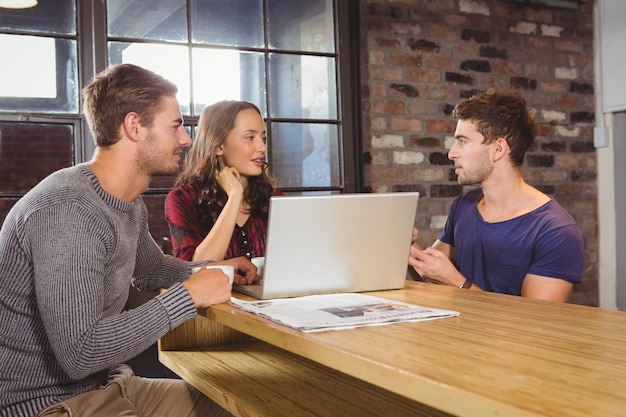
<point>337,243</point>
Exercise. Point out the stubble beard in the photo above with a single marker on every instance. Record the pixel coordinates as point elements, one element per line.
<point>150,162</point>
<point>478,174</point>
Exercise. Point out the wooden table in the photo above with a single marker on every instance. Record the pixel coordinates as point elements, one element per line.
<point>503,356</point>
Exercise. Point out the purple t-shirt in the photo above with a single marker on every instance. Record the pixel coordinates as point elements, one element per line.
<point>497,256</point>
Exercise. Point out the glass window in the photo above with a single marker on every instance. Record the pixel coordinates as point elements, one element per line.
<point>279,55</point>
<point>25,74</point>
<point>40,45</point>
<point>301,25</point>
<point>227,74</point>
<point>139,19</point>
<point>302,87</point>
<point>282,55</point>
<point>50,17</point>
<point>169,61</point>
<point>305,155</point>
<point>39,96</point>
<point>43,79</point>
<point>227,22</point>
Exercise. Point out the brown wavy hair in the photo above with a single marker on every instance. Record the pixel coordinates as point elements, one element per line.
<point>119,90</point>
<point>201,165</point>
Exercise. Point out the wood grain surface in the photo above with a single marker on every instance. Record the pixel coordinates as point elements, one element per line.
<point>503,356</point>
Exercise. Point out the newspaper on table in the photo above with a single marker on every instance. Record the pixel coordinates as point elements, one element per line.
<point>339,311</point>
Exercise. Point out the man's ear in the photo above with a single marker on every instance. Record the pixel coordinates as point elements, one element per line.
<point>500,149</point>
<point>131,126</point>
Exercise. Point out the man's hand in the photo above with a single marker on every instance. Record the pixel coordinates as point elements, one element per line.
<point>414,237</point>
<point>435,266</point>
<point>208,287</point>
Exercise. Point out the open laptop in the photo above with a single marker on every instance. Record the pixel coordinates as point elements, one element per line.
<point>336,243</point>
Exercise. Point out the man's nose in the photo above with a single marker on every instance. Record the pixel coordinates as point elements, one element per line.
<point>186,139</point>
<point>452,153</point>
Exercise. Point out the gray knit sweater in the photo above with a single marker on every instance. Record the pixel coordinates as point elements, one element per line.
<point>68,251</point>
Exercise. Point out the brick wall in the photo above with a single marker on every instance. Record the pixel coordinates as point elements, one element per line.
<point>28,153</point>
<point>420,57</point>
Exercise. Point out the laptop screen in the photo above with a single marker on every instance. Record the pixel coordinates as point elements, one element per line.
<point>337,243</point>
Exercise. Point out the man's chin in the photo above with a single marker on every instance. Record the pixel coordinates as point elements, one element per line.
<point>164,172</point>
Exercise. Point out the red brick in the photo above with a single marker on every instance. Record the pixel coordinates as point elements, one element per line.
<point>391,107</point>
<point>406,125</point>
<point>570,46</point>
<point>553,86</point>
<point>389,175</point>
<point>443,63</point>
<point>405,60</point>
<point>386,73</point>
<point>441,126</point>
<point>567,101</point>
<point>424,76</point>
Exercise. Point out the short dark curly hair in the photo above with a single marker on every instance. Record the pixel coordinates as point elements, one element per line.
<point>500,114</point>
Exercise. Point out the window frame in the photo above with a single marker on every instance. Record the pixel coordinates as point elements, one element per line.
<point>93,58</point>
<point>348,84</point>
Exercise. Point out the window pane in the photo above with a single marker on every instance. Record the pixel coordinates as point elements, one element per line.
<point>31,151</point>
<point>154,19</point>
<point>169,61</point>
<point>226,74</point>
<point>53,17</point>
<point>302,25</point>
<point>227,22</point>
<point>44,78</point>
<point>305,155</point>
<point>302,86</point>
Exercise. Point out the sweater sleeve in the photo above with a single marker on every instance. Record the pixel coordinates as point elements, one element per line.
<point>82,274</point>
<point>153,269</point>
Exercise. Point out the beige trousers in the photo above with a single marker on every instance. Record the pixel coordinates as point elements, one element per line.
<point>128,395</point>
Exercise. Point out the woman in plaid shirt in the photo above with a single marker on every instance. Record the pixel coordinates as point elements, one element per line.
<point>219,207</point>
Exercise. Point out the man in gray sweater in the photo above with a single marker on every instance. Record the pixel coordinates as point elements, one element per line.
<point>68,251</point>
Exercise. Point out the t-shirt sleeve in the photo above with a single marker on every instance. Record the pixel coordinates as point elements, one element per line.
<point>560,253</point>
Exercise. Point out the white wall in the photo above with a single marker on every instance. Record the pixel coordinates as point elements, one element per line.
<point>610,139</point>
<point>613,45</point>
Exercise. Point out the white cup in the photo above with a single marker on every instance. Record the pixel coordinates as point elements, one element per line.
<point>259,262</point>
<point>227,269</point>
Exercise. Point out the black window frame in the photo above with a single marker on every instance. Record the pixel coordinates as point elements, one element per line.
<point>92,58</point>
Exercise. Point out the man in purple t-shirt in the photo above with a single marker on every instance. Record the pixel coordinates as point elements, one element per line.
<point>506,236</point>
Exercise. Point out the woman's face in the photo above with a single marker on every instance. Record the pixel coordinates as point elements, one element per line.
<point>244,148</point>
